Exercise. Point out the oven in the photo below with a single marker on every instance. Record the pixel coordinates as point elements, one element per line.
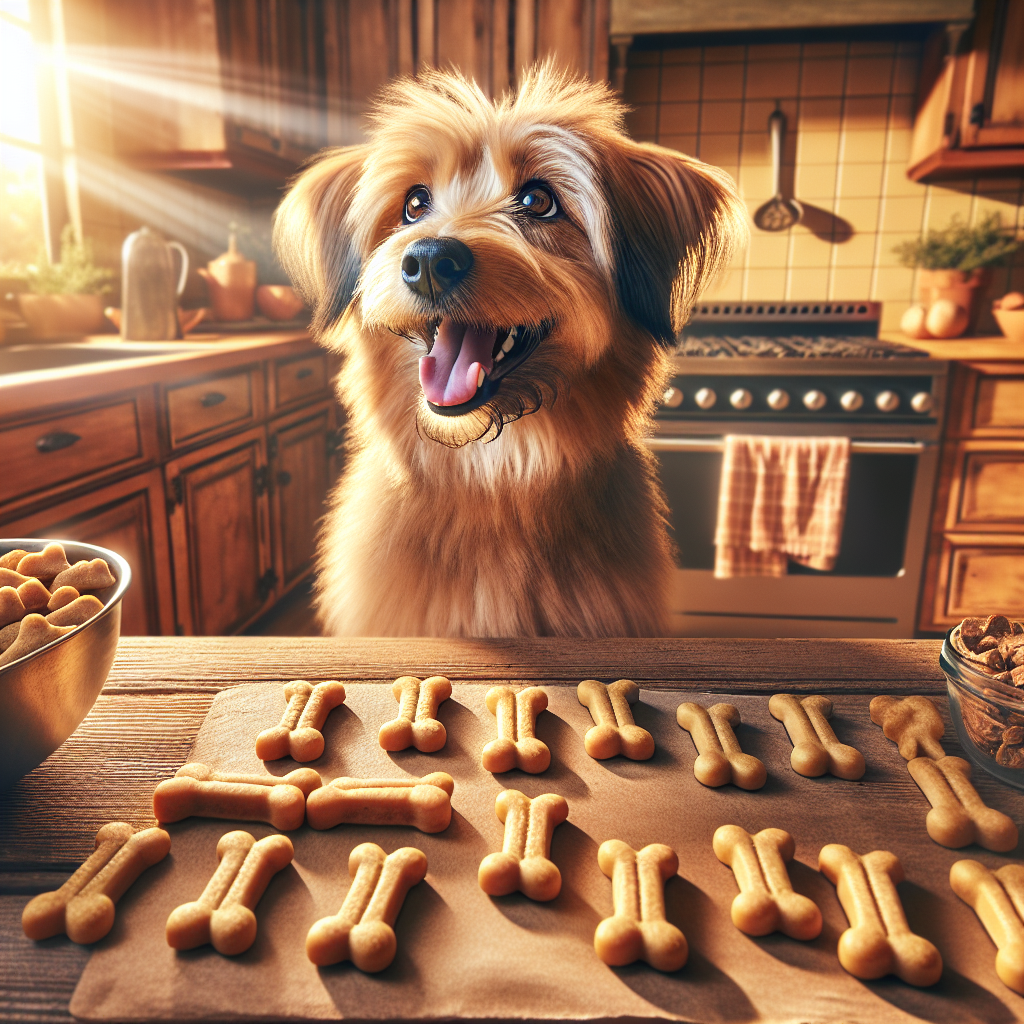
<point>802,370</point>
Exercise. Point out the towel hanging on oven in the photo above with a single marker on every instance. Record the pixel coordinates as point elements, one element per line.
<point>780,498</point>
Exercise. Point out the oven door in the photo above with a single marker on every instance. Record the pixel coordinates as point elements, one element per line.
<point>873,590</point>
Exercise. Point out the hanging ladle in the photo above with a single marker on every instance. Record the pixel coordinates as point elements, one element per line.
<point>777,214</point>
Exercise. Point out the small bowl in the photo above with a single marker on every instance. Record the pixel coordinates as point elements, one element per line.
<point>278,301</point>
<point>981,709</point>
<point>46,694</point>
<point>1011,323</point>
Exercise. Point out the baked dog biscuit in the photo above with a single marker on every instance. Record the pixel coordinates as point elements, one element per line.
<point>80,610</point>
<point>958,815</point>
<point>45,564</point>
<point>517,745</point>
<point>614,730</point>
<point>766,902</point>
<point>223,915</point>
<point>719,757</point>
<point>12,558</point>
<point>34,632</point>
<point>299,733</point>
<point>363,931</point>
<point>12,578</point>
<point>43,915</point>
<point>424,803</point>
<point>913,724</point>
<point>637,930</point>
<point>816,749</point>
<point>85,575</point>
<point>60,597</point>
<point>12,608</point>
<point>524,863</point>
<point>34,596</point>
<point>83,907</point>
<point>416,725</point>
<point>997,897</point>
<point>879,940</point>
<point>198,791</point>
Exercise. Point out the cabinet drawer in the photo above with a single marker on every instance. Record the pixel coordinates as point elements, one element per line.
<point>980,575</point>
<point>988,487</point>
<point>295,379</point>
<point>61,449</point>
<point>212,405</point>
<point>999,404</point>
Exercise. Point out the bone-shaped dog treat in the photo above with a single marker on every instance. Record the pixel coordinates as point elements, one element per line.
<point>43,916</point>
<point>84,575</point>
<point>614,730</point>
<point>199,791</point>
<point>913,724</point>
<point>45,564</point>
<point>363,931</point>
<point>34,596</point>
<point>766,902</point>
<point>815,747</point>
<point>517,745</point>
<point>34,632</point>
<point>416,725</point>
<point>299,733</point>
<point>12,578</point>
<point>719,757</point>
<point>12,558</point>
<point>12,608</point>
<point>60,597</point>
<point>524,863</point>
<point>223,915</point>
<point>637,930</point>
<point>997,897</point>
<point>424,803</point>
<point>83,907</point>
<point>958,815</point>
<point>879,940</point>
<point>82,609</point>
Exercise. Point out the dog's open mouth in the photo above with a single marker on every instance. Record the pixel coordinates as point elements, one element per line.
<point>466,364</point>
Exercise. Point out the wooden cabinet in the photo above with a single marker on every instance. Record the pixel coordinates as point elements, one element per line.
<point>970,118</point>
<point>976,552</point>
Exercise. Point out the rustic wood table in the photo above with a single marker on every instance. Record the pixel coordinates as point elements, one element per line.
<point>160,689</point>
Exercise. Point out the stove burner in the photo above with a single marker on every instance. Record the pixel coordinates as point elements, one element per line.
<point>793,346</point>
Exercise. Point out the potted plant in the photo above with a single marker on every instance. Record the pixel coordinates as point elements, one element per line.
<point>66,298</point>
<point>956,263</point>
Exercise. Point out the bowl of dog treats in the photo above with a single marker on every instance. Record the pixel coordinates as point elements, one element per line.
<point>60,619</point>
<point>983,661</point>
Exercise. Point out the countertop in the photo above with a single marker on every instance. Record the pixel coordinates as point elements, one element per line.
<point>992,348</point>
<point>160,689</point>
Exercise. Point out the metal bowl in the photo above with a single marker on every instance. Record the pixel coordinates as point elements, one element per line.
<point>46,694</point>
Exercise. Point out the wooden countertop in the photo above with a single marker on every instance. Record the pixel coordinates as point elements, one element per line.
<point>196,356</point>
<point>159,690</point>
<point>964,350</point>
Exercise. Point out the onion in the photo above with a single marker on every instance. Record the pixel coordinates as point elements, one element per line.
<point>912,324</point>
<point>946,319</point>
<point>1011,300</point>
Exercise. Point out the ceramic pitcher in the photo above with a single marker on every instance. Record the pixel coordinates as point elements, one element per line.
<point>149,291</point>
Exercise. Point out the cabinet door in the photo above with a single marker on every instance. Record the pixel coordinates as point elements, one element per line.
<point>980,574</point>
<point>127,517</point>
<point>301,474</point>
<point>219,517</point>
<point>987,491</point>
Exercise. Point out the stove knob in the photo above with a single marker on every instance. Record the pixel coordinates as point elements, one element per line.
<point>922,402</point>
<point>887,401</point>
<point>673,398</point>
<point>741,398</point>
<point>815,400</point>
<point>778,400</point>
<point>851,400</point>
<point>705,398</point>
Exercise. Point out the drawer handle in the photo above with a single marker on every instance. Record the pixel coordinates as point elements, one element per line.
<point>304,373</point>
<point>55,441</point>
<point>211,399</point>
<point>284,478</point>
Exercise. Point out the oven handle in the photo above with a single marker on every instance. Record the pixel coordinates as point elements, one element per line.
<point>717,444</point>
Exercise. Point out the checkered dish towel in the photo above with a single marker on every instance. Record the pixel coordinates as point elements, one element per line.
<point>780,498</point>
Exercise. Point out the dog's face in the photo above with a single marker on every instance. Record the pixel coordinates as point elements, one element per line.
<point>497,256</point>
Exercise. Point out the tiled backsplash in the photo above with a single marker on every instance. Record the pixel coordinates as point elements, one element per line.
<point>849,110</point>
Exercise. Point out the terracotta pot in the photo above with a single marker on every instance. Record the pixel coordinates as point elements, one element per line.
<point>965,288</point>
<point>55,316</point>
<point>278,301</point>
<point>231,280</point>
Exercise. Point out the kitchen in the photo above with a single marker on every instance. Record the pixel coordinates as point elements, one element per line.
<point>850,131</point>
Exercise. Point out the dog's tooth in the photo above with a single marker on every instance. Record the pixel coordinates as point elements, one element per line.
<point>480,377</point>
<point>506,345</point>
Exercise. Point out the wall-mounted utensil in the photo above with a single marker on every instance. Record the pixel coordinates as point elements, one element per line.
<point>778,213</point>
<point>149,293</point>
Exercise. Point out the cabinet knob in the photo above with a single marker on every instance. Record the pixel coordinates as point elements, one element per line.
<point>741,398</point>
<point>778,400</point>
<point>53,442</point>
<point>705,398</point>
<point>305,372</point>
<point>673,398</point>
<point>887,401</point>
<point>815,399</point>
<point>212,398</point>
<point>922,402</point>
<point>851,401</point>
<point>284,478</point>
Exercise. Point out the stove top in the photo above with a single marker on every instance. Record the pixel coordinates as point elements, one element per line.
<point>790,346</point>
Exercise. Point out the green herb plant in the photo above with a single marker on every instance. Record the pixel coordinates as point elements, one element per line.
<point>76,274</point>
<point>960,247</point>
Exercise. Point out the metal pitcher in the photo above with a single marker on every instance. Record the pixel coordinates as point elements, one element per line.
<point>149,294</point>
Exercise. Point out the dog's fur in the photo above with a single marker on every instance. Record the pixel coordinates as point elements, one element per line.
<point>538,513</point>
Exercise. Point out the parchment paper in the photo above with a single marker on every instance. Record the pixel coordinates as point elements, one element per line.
<point>464,955</point>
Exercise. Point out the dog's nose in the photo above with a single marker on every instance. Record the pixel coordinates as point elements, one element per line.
<point>432,266</point>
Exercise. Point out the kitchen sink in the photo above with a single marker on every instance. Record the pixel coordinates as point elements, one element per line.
<point>30,358</point>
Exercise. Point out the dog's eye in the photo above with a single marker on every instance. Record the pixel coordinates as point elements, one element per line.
<point>417,202</point>
<point>538,200</point>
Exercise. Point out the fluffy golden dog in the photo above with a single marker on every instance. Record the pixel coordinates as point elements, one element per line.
<point>502,279</point>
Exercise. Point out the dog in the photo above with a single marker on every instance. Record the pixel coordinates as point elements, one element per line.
<point>503,280</point>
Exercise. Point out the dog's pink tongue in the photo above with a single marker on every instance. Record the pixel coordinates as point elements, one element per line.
<point>449,375</point>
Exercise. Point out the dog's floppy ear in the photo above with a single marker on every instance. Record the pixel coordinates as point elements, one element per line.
<point>676,222</point>
<point>311,238</point>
